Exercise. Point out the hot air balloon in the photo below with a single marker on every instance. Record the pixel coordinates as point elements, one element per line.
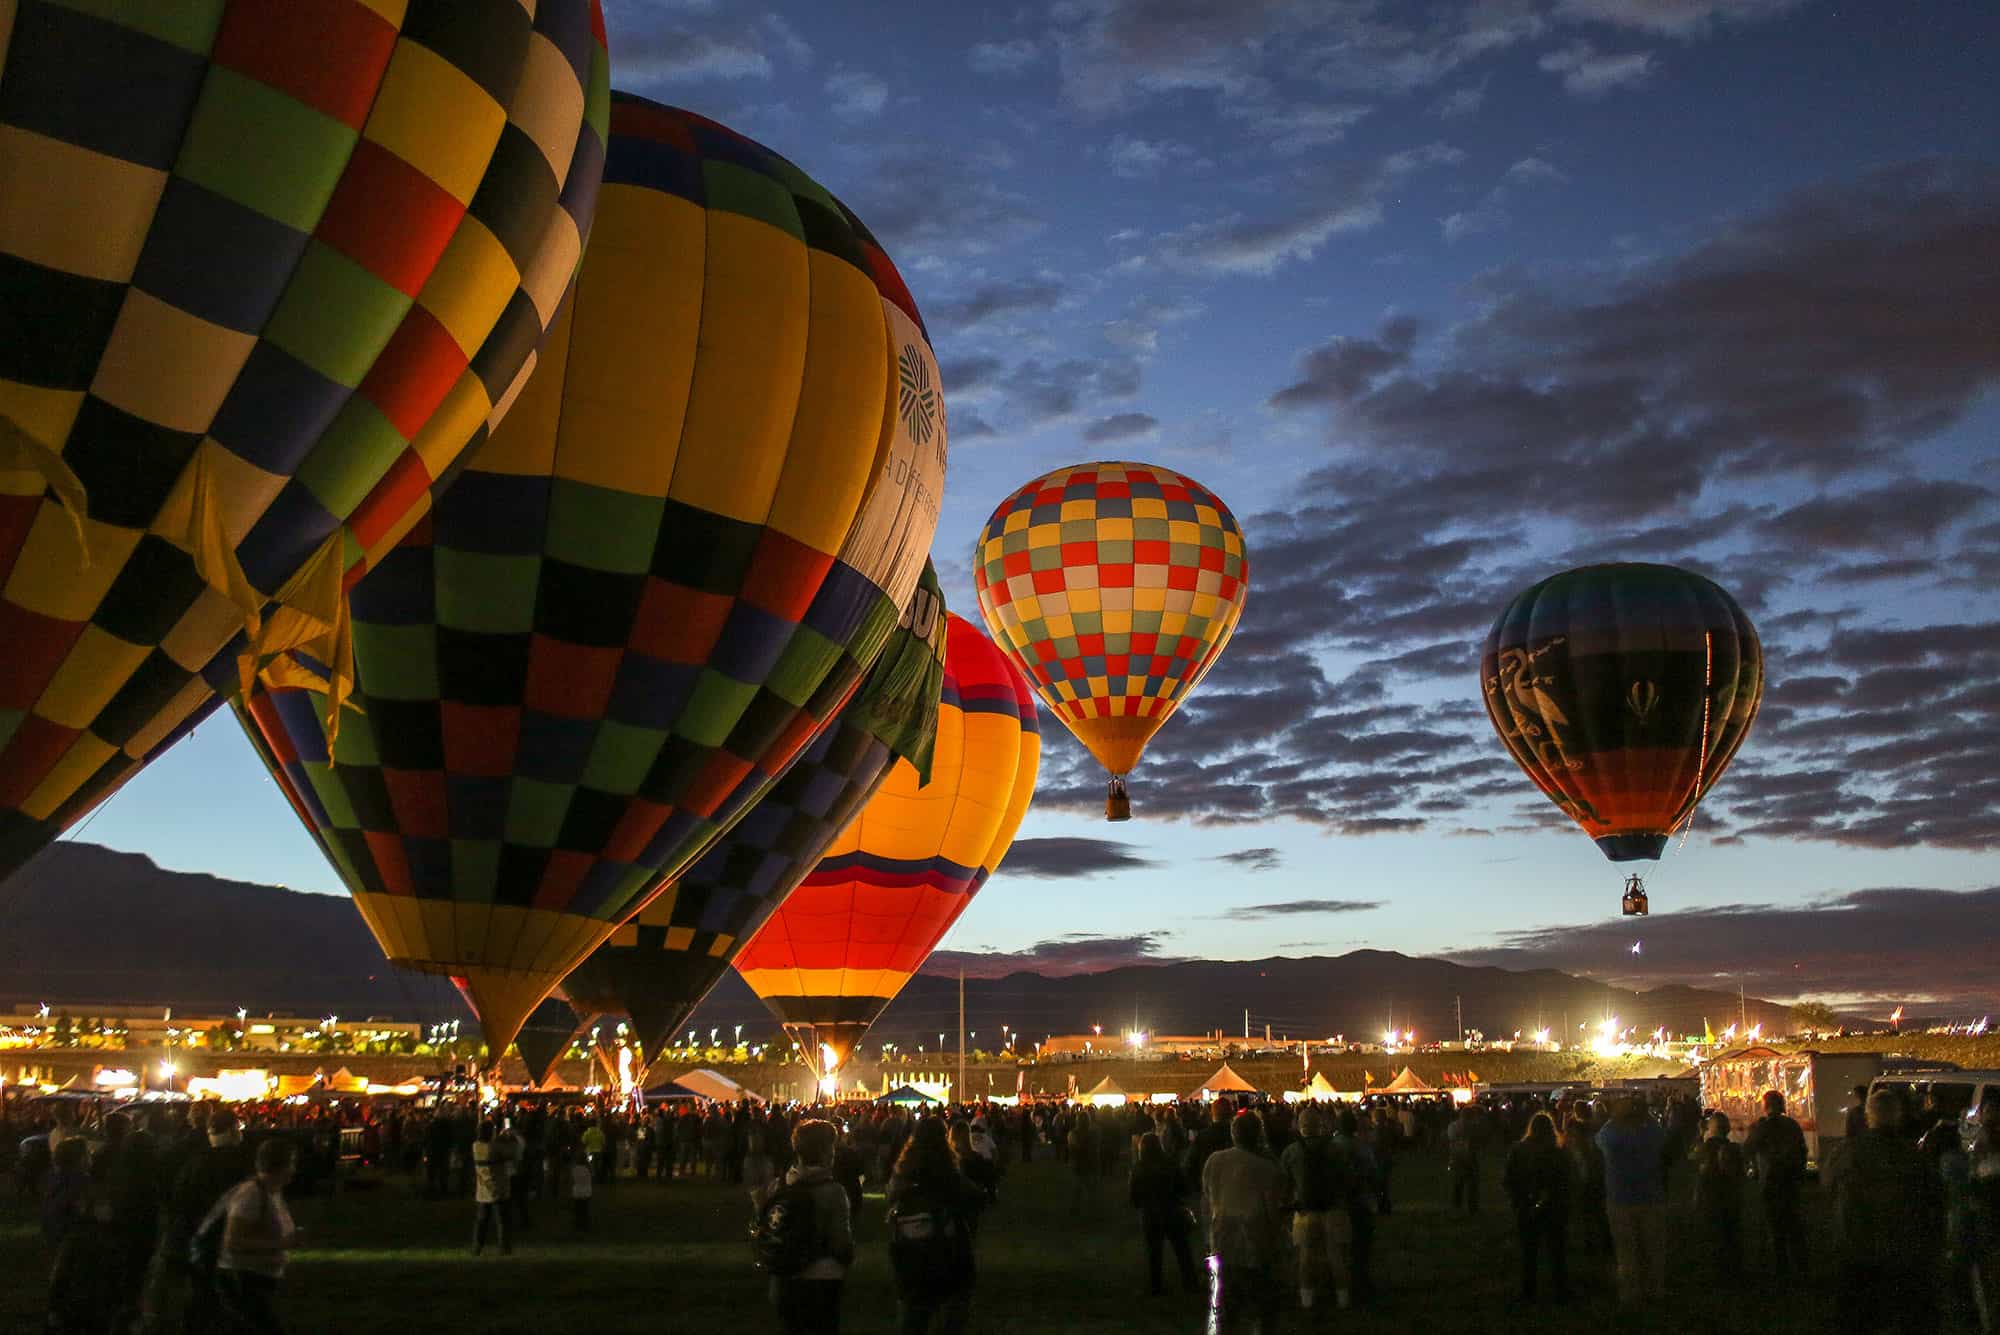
<point>1624,690</point>
<point>546,1035</point>
<point>649,588</point>
<point>1114,587</point>
<point>657,967</point>
<point>885,892</point>
<point>265,270</point>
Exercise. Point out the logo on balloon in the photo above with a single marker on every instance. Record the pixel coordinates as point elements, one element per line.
<point>918,403</point>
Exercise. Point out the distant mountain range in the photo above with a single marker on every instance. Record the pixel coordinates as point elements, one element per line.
<point>84,925</point>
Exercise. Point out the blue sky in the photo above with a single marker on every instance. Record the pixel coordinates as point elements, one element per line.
<point>1440,298</point>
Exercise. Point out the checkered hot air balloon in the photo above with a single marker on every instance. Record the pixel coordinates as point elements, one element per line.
<point>1624,691</point>
<point>658,967</point>
<point>266,268</point>
<point>646,593</point>
<point>884,893</point>
<point>1115,587</point>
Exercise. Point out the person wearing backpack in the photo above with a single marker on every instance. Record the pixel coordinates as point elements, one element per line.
<point>804,1236</point>
<point>257,1234</point>
<point>933,1215</point>
<point>1319,1179</point>
<point>1537,1180</point>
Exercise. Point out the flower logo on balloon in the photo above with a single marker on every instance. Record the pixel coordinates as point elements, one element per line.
<point>918,403</point>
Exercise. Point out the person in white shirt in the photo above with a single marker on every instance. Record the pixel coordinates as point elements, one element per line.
<point>257,1236</point>
<point>491,1187</point>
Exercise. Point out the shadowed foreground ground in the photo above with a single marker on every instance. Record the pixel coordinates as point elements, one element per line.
<point>673,1258</point>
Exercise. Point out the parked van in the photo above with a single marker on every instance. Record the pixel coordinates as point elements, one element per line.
<point>1957,1095</point>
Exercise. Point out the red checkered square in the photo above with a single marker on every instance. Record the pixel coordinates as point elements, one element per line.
<point>328,54</point>
<point>480,741</point>
<point>570,680</point>
<point>678,624</point>
<point>378,185</point>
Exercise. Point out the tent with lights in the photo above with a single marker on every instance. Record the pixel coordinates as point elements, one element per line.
<point>1321,1089</point>
<point>709,1084</point>
<point>1408,1082</point>
<point>908,1096</point>
<point>1225,1081</point>
<point>1106,1093</point>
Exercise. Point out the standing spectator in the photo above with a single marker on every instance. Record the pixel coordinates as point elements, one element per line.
<point>1537,1180</point>
<point>1319,1180</point>
<point>489,1190</point>
<point>933,1218</point>
<point>1159,1193</point>
<point>977,1169</point>
<point>594,1143</point>
<point>1360,1205</point>
<point>808,1297</point>
<point>1082,1140</point>
<point>1587,1174</point>
<point>75,1240</point>
<point>207,1170</point>
<point>1776,1149</point>
<point>1889,1217</point>
<point>1983,1188</point>
<point>1718,1196</point>
<point>582,1186</point>
<point>1462,1160</point>
<point>757,1167</point>
<point>1636,1200</point>
<point>1209,1140</point>
<point>1244,1195</point>
<point>257,1236</point>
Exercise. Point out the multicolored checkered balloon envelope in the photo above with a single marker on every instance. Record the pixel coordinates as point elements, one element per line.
<point>1623,690</point>
<point>647,591</point>
<point>658,967</point>
<point>266,269</point>
<point>884,893</point>
<point>1115,587</point>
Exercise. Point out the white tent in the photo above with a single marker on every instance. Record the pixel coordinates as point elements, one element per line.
<point>1106,1093</point>
<point>708,1084</point>
<point>1225,1081</point>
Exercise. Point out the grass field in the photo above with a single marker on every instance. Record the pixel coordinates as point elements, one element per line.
<point>672,1258</point>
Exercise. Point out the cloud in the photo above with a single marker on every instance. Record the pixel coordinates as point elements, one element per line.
<point>1002,297</point>
<point>1137,159</point>
<point>1344,198</point>
<point>1252,859</point>
<point>1293,908</point>
<point>1460,102</point>
<point>999,59</point>
<point>1120,426</point>
<point>928,204</point>
<point>1292,130</point>
<point>1490,214</point>
<point>856,94</point>
<point>1674,18</point>
<point>1059,957</point>
<point>1927,945</point>
<point>1063,857</point>
<point>663,44</point>
<point>1886,518</point>
<point>1588,72</point>
<point>1344,366</point>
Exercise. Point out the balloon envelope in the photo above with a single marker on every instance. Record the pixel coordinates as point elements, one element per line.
<point>1113,586</point>
<point>265,270</point>
<point>658,967</point>
<point>1624,690</point>
<point>885,892</point>
<point>646,592</point>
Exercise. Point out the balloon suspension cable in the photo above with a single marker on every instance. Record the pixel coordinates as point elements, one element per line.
<point>1701,764</point>
<point>1117,806</point>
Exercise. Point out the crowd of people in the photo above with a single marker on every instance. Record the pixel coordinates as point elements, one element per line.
<point>169,1217</point>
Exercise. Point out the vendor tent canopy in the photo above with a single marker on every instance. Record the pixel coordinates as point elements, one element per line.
<point>1407,1082</point>
<point>1106,1092</point>
<point>709,1084</point>
<point>1321,1088</point>
<point>1226,1081</point>
<point>904,1094</point>
<point>670,1090</point>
